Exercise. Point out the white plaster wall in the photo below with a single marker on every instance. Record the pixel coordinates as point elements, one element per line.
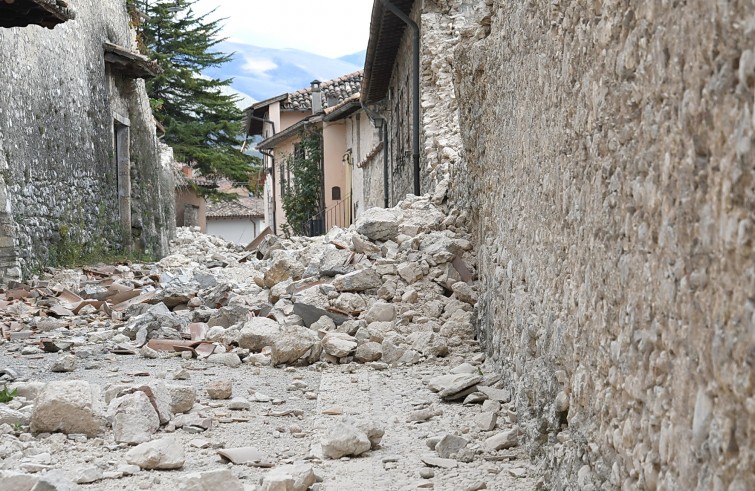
<point>237,230</point>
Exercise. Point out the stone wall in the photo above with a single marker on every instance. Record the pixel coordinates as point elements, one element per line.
<point>609,155</point>
<point>442,24</point>
<point>399,117</point>
<point>57,160</point>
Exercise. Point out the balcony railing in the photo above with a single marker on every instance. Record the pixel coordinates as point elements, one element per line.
<point>338,215</point>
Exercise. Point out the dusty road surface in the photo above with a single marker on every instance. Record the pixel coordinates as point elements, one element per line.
<point>343,362</point>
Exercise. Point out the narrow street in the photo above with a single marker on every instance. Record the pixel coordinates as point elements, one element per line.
<point>333,363</point>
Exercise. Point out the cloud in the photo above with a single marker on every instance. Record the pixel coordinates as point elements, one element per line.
<point>330,28</point>
<point>259,66</point>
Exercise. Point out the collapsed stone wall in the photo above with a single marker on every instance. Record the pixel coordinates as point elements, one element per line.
<point>609,158</point>
<point>59,182</point>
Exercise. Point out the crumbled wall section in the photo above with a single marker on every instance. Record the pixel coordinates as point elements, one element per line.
<point>442,24</point>
<point>610,148</point>
<point>56,139</point>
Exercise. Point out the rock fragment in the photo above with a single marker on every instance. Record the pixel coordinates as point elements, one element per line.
<point>65,363</point>
<point>449,446</point>
<point>289,478</point>
<point>358,281</point>
<point>454,385</point>
<point>134,418</point>
<point>162,454</point>
<point>219,389</point>
<point>486,421</point>
<point>214,480</point>
<point>343,439</point>
<point>500,441</point>
<point>181,398</point>
<point>258,333</point>
<point>338,344</point>
<point>377,224</point>
<point>72,406</point>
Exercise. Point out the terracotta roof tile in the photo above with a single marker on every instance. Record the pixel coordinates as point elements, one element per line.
<point>333,92</point>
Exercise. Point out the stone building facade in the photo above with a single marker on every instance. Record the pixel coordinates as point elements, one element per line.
<point>388,92</point>
<point>609,163</point>
<point>79,162</point>
<point>603,151</point>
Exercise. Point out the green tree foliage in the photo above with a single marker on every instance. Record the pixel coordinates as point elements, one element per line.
<point>301,181</point>
<point>202,123</point>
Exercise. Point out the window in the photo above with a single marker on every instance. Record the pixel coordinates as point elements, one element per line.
<point>336,193</point>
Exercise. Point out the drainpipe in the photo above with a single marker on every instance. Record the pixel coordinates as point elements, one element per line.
<point>382,123</point>
<point>415,87</point>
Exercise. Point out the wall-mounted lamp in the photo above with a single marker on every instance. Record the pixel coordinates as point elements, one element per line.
<point>378,122</point>
<point>346,159</point>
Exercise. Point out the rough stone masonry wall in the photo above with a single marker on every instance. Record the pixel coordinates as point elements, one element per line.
<point>56,141</point>
<point>609,146</point>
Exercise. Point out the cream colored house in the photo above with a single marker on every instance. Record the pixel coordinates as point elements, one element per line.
<point>325,108</point>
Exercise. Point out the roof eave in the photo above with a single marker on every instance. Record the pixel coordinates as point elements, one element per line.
<point>386,31</point>
<point>288,133</point>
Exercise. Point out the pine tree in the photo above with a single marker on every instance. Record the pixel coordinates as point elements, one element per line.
<point>202,123</point>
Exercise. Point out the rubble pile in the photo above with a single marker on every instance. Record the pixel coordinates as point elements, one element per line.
<point>396,288</point>
<point>388,302</point>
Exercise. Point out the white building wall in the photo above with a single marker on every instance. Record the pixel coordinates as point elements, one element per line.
<point>237,230</point>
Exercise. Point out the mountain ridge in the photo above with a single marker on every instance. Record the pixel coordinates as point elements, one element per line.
<point>261,73</point>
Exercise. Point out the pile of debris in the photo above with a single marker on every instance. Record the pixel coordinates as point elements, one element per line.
<point>396,288</point>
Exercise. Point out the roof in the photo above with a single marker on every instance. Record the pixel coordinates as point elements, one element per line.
<point>244,207</point>
<point>386,31</point>
<point>289,132</point>
<point>131,64</point>
<point>344,109</point>
<point>45,13</point>
<point>334,92</point>
<point>258,109</point>
<point>338,89</point>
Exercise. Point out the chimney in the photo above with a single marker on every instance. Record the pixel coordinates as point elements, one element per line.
<point>316,97</point>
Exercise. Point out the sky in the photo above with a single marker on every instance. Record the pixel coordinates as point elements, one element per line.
<point>330,28</point>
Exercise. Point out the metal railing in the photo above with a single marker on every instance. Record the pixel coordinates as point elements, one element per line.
<point>338,215</point>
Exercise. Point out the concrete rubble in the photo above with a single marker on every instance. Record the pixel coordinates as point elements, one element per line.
<point>259,360</point>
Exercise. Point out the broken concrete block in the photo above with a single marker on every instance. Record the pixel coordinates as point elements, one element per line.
<point>289,478</point>
<point>181,398</point>
<point>219,389</point>
<point>294,343</point>
<point>344,439</point>
<point>133,417</point>
<point>162,454</point>
<point>381,312</point>
<point>505,439</point>
<point>72,406</point>
<point>358,281</point>
<point>258,333</point>
<point>338,344</point>
<point>377,224</point>
<point>214,480</point>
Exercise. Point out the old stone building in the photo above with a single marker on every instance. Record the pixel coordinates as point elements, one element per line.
<point>388,91</point>
<point>607,164</point>
<point>79,163</point>
<point>610,164</point>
